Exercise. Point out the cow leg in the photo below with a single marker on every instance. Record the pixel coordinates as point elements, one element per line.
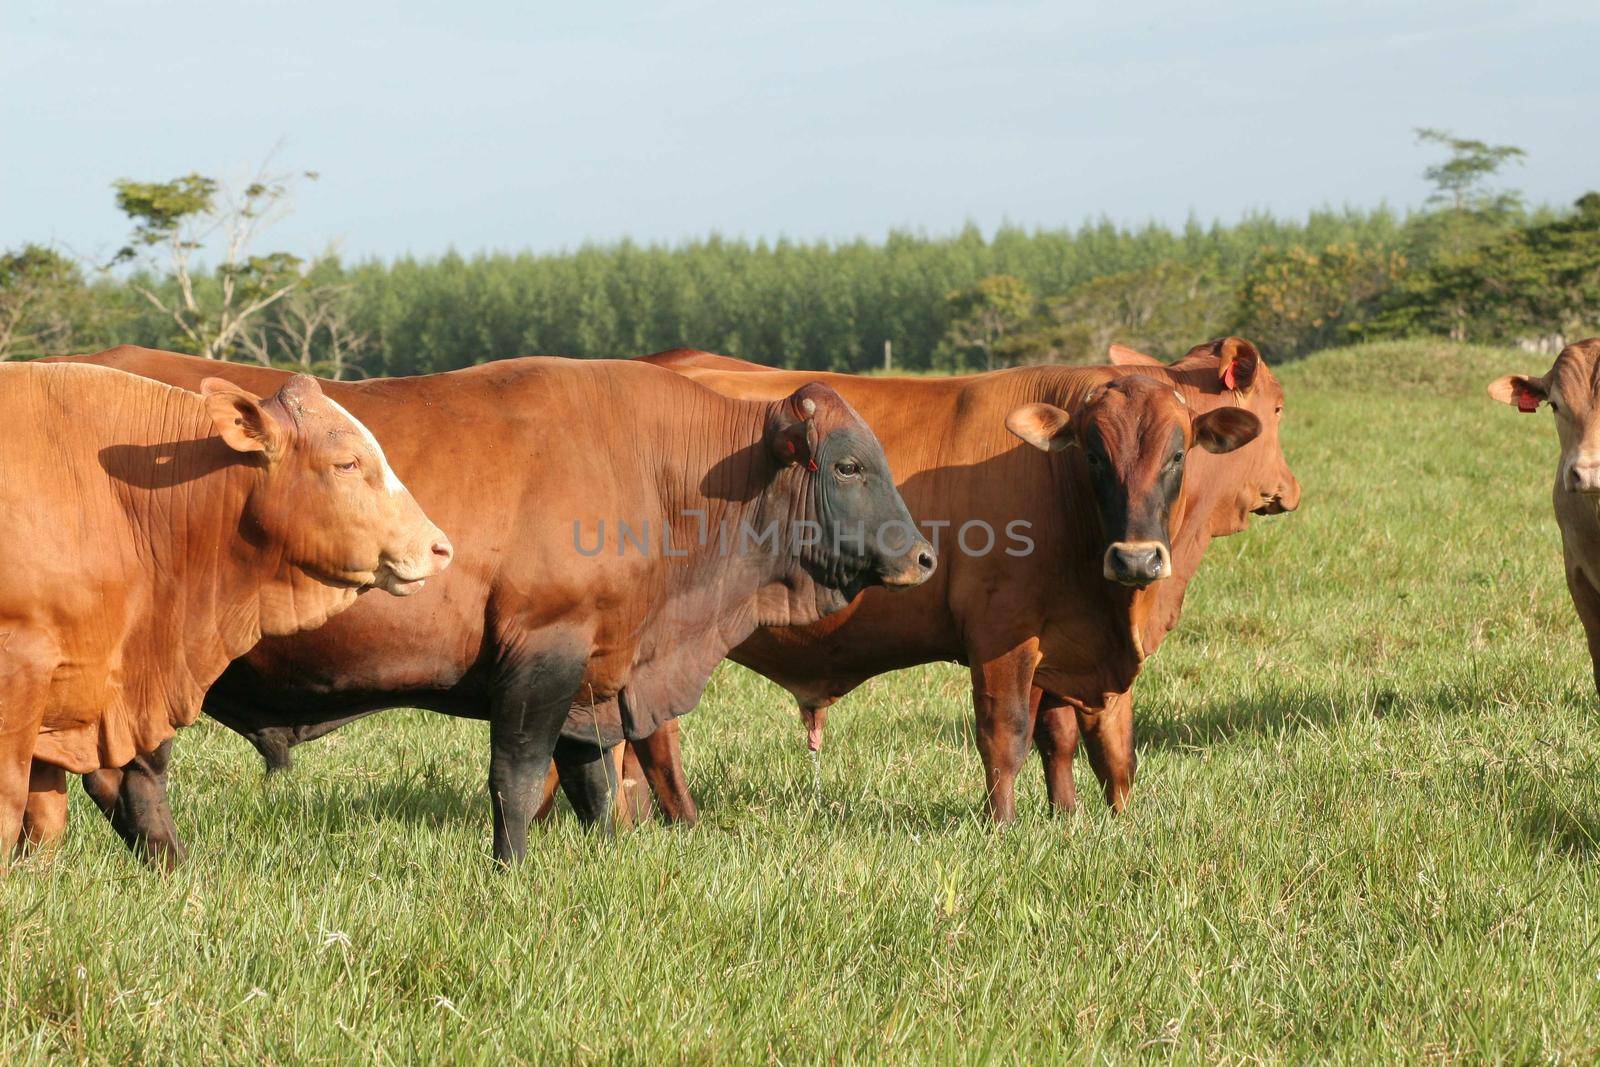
<point>630,808</point>
<point>16,759</point>
<point>1108,737</point>
<point>520,747</point>
<point>26,665</point>
<point>634,806</point>
<point>547,797</point>
<point>44,820</point>
<point>588,777</point>
<point>1055,734</point>
<point>661,758</point>
<point>529,708</point>
<point>134,799</point>
<point>1002,690</point>
<point>1587,600</point>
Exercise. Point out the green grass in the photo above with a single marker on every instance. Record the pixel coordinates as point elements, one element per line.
<point>1366,825</point>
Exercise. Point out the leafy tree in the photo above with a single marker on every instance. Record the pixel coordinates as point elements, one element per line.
<point>1468,213</point>
<point>982,316</point>
<point>1539,285</point>
<point>1295,300</point>
<point>311,329</point>
<point>1564,282</point>
<point>1050,342</point>
<point>174,220</point>
<point>1458,182</point>
<point>41,292</point>
<point>1167,307</point>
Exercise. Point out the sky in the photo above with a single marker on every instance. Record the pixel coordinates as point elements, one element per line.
<point>495,125</point>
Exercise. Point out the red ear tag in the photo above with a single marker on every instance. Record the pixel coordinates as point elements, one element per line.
<point>811,465</point>
<point>1227,376</point>
<point>1527,403</point>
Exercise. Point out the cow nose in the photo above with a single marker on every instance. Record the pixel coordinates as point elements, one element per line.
<point>443,553</point>
<point>1583,476</point>
<point>1137,563</point>
<point>1285,499</point>
<point>916,566</point>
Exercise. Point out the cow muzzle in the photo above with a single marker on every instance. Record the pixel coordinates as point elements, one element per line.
<point>913,568</point>
<point>404,577</point>
<point>1286,498</point>
<point>1582,475</point>
<point>1137,563</point>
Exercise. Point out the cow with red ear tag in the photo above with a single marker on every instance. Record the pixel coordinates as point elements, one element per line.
<point>1135,434</point>
<point>1228,373</point>
<point>1571,390</point>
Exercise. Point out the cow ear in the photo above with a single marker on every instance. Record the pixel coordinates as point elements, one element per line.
<point>1225,429</point>
<point>1044,426</point>
<point>240,418</point>
<point>1524,394</point>
<point>791,434</point>
<point>1238,363</point>
<point>1123,356</point>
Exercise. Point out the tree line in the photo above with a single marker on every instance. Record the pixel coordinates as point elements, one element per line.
<point>1475,264</point>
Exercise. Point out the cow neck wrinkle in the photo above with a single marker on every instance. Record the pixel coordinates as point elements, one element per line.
<point>217,589</point>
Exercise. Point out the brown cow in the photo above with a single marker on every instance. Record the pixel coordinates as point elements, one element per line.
<point>151,536</point>
<point>1053,645</point>
<point>1572,389</point>
<point>599,508</point>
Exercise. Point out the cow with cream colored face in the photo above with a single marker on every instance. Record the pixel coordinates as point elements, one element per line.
<point>151,536</point>
<point>1571,389</point>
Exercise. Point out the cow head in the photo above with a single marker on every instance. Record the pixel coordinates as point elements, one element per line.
<point>1133,433</point>
<point>867,536</point>
<point>1573,393</point>
<point>1234,367</point>
<point>328,500</point>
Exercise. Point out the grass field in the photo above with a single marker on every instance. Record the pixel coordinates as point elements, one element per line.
<point>1366,825</point>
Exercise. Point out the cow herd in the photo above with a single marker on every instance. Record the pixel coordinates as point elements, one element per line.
<point>187,535</point>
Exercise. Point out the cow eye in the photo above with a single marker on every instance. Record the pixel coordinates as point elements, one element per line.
<point>1095,461</point>
<point>1177,458</point>
<point>349,466</point>
<point>848,468</point>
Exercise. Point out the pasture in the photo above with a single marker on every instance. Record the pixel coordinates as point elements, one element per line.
<point>1366,825</point>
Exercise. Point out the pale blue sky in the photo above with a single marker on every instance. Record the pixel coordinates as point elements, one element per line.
<point>526,125</point>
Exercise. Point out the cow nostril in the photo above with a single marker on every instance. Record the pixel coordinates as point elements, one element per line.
<point>443,550</point>
<point>925,560</point>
